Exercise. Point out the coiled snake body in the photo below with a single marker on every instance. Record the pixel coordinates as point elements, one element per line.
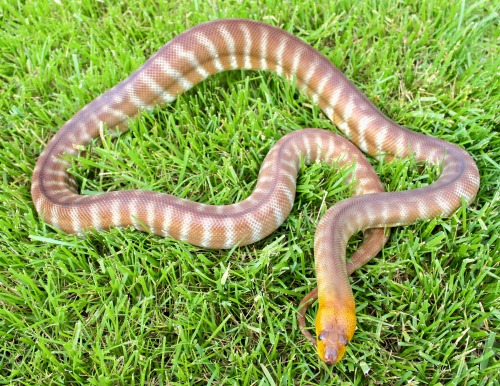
<point>242,44</point>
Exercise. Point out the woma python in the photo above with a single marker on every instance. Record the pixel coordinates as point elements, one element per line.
<point>242,44</point>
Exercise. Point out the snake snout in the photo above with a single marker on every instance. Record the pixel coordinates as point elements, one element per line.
<point>331,356</point>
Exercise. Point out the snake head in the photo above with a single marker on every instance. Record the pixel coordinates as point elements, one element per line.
<point>335,329</point>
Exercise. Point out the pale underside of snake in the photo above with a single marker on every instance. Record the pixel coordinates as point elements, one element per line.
<point>242,44</point>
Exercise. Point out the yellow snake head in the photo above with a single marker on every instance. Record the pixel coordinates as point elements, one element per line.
<point>335,328</point>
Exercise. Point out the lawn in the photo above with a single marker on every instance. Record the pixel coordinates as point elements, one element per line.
<point>125,307</point>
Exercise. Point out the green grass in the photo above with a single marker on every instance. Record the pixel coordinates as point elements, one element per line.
<point>124,307</point>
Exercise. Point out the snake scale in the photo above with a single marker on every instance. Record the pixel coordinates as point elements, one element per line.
<point>229,44</point>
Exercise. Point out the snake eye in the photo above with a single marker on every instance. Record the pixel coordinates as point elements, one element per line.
<point>321,337</point>
<point>344,341</point>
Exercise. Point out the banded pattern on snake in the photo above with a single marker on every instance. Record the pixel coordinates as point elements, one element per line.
<point>242,44</point>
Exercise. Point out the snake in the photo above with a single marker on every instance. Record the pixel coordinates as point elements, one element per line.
<point>231,44</point>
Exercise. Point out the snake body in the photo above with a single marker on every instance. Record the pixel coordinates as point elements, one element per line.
<point>229,44</point>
